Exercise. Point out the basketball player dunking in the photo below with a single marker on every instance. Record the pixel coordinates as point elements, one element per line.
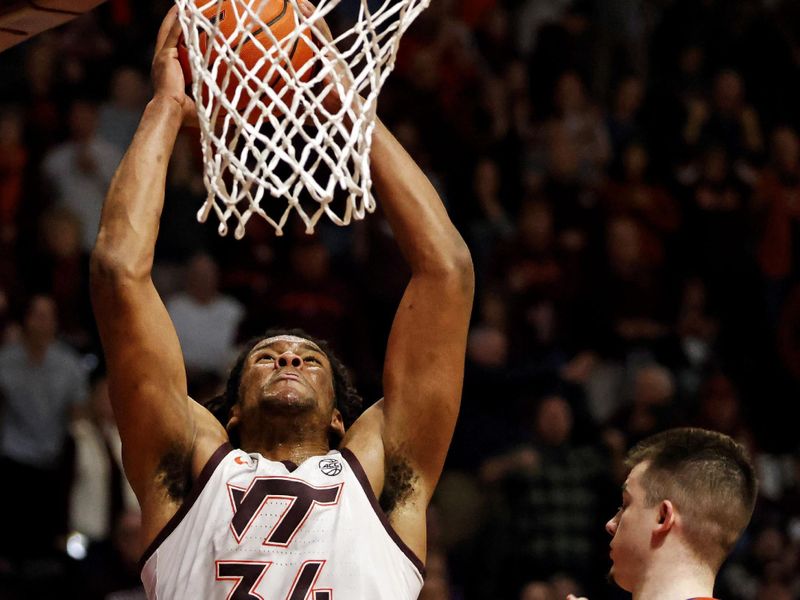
<point>286,513</point>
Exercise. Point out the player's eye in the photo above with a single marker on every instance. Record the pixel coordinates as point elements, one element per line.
<point>312,359</point>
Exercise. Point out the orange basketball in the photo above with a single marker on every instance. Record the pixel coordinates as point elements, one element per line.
<point>280,17</point>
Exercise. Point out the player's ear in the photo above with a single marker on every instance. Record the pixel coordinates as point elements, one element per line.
<point>337,423</point>
<point>666,516</point>
<point>234,420</point>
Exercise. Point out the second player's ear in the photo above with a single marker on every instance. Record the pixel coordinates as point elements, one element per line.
<point>666,516</point>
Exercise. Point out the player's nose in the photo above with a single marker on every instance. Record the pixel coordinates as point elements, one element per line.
<point>289,358</point>
<point>611,526</point>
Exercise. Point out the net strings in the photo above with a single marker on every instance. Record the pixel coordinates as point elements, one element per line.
<point>264,142</point>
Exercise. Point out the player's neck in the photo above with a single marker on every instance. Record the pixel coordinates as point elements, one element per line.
<point>287,440</point>
<point>292,452</point>
<point>676,578</point>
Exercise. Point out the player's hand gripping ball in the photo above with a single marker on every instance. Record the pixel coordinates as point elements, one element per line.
<point>237,70</point>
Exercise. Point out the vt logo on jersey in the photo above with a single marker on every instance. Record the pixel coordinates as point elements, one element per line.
<point>248,503</point>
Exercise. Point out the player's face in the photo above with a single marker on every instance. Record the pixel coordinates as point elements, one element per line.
<point>287,372</point>
<point>631,530</point>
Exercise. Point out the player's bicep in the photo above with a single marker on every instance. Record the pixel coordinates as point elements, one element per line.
<point>146,375</point>
<point>424,370</point>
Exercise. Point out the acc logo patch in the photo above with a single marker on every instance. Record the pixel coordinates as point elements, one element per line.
<point>330,467</point>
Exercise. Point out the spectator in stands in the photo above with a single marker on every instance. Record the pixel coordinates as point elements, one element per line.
<point>540,279</point>
<point>632,194</point>
<point>777,195</point>
<point>691,348</point>
<point>729,121</point>
<point>118,117</point>
<point>100,493</point>
<point>206,320</point>
<point>624,119</point>
<point>492,223</point>
<point>719,409</point>
<point>13,161</point>
<point>536,590</point>
<point>716,237</point>
<point>552,491</point>
<point>60,268</point>
<point>309,292</point>
<point>574,201</point>
<point>532,15</point>
<point>182,237</point>
<point>626,294</point>
<point>41,94</point>
<point>80,170</point>
<point>581,122</point>
<point>769,564</point>
<point>652,407</point>
<point>41,384</point>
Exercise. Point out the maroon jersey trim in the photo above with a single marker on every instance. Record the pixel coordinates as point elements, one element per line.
<point>197,487</point>
<point>358,471</point>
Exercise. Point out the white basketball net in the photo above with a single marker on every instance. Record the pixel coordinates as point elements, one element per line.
<point>285,144</point>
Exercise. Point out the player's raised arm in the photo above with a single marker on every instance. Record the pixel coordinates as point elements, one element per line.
<point>424,367</point>
<point>146,372</point>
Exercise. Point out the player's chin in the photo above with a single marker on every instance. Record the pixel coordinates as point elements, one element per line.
<point>613,577</point>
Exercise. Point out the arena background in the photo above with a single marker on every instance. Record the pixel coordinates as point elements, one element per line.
<point>627,175</point>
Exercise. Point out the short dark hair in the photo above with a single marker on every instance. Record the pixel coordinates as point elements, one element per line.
<point>347,398</point>
<point>708,477</point>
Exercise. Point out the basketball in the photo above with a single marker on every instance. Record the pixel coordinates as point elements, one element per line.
<point>231,18</point>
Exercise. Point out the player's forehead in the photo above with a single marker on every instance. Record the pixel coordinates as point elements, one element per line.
<point>633,484</point>
<point>284,342</point>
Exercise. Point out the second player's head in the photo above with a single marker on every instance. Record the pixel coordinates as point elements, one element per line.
<point>288,374</point>
<point>690,493</point>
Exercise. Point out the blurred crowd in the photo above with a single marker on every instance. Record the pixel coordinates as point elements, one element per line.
<point>627,175</point>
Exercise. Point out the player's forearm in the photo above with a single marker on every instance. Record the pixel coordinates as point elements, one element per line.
<point>132,209</point>
<point>427,237</point>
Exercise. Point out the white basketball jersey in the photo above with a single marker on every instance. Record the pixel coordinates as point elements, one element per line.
<point>256,529</point>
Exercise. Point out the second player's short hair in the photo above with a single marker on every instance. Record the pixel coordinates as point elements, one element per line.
<point>710,480</point>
